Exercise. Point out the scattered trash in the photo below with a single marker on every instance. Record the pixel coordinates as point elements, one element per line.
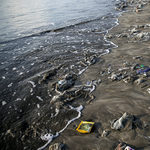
<point>88,83</point>
<point>57,146</point>
<point>66,82</point>
<point>134,30</point>
<point>85,127</point>
<point>116,125</point>
<point>117,76</point>
<point>148,90</point>
<point>142,71</point>
<point>121,146</point>
<point>138,81</point>
<point>137,57</point>
<point>125,68</point>
<point>128,148</point>
<point>104,134</point>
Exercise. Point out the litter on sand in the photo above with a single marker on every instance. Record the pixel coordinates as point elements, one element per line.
<point>85,127</point>
<point>122,146</point>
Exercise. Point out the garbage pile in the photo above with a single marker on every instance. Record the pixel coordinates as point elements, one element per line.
<point>133,73</point>
<point>134,35</point>
<point>66,92</point>
<point>121,5</point>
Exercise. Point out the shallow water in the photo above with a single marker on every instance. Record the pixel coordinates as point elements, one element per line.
<point>42,36</point>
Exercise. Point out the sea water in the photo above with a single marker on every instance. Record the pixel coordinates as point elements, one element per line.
<point>42,35</point>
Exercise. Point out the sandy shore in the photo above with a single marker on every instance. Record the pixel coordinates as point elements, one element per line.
<point>114,98</point>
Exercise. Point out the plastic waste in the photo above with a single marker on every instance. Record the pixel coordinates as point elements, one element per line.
<point>137,57</point>
<point>104,134</point>
<point>148,90</point>
<point>85,127</point>
<point>142,71</point>
<point>56,146</point>
<point>128,148</point>
<point>88,83</point>
<point>116,125</point>
<point>138,81</point>
<point>125,68</point>
<point>62,82</point>
<point>121,146</point>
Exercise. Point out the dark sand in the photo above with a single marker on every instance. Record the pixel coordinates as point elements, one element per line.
<point>114,98</point>
<point>126,93</point>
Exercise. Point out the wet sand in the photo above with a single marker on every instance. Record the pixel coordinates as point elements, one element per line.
<point>114,98</point>
<point>121,79</point>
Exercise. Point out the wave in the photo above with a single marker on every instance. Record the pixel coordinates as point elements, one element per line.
<point>110,15</point>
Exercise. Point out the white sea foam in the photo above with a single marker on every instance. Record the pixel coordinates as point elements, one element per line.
<point>39,98</point>
<point>32,64</point>
<point>20,73</point>
<point>57,112</point>
<point>31,90</point>
<point>18,99</point>
<point>33,84</point>
<point>78,109</point>
<point>49,137</point>
<point>10,85</point>
<point>38,106</point>
<point>3,77</point>
<point>4,103</point>
<point>14,68</point>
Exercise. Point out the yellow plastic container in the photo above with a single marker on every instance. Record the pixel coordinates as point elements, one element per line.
<point>85,127</point>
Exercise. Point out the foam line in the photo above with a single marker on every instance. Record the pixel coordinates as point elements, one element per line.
<point>80,72</point>
<point>33,84</point>
<point>78,109</point>
<point>49,137</point>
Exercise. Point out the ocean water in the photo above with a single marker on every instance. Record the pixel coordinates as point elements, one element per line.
<point>37,37</point>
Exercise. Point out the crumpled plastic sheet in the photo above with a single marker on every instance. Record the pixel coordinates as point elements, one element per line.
<point>118,123</point>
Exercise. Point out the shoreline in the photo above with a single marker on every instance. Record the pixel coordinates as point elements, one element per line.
<point>106,89</point>
<point>113,98</point>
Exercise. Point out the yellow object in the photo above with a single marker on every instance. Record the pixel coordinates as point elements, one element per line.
<point>85,127</point>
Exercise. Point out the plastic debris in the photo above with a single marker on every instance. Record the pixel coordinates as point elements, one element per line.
<point>138,81</point>
<point>137,57</point>
<point>134,30</point>
<point>104,134</point>
<point>125,68</point>
<point>148,90</point>
<point>116,125</point>
<point>117,76</point>
<point>88,83</point>
<point>128,148</point>
<point>56,146</point>
<point>121,146</point>
<point>142,70</point>
<point>85,127</point>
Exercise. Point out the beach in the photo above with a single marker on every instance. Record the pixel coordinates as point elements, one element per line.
<point>110,87</point>
<point>114,98</point>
